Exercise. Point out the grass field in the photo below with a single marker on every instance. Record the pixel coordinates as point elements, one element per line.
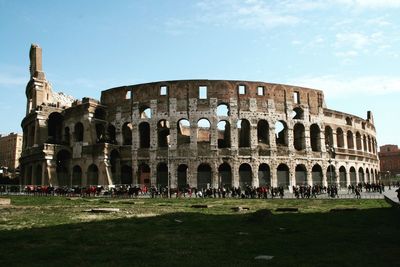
<point>56,231</point>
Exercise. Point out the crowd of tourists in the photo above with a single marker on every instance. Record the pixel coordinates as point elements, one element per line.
<point>245,191</point>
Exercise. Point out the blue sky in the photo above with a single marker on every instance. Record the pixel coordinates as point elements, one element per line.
<point>348,48</point>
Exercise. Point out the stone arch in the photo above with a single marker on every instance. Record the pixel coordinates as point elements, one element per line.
<point>358,141</point>
<point>126,174</point>
<point>328,136</point>
<point>263,132</point>
<point>54,128</point>
<point>203,176</point>
<point>183,132</point>
<point>369,144</point>
<point>111,134</point>
<point>315,137</point>
<point>115,162</point>
<point>163,133</point>
<point>182,176</point>
<point>264,174</point>
<point>281,133</point>
<point>245,175</point>
<point>100,113</point>
<point>144,134</point>
<point>339,137</point>
<point>127,133</point>
<point>78,132</point>
<point>145,112</point>
<point>224,134</point>
<point>301,174</point>
<point>63,160</point>
<point>93,175</point>
<point>331,174</point>
<point>367,176</point>
<point>350,140</point>
<point>203,131</point>
<point>349,121</point>
<point>223,110</point>
<point>282,173</point>
<point>298,113</point>
<point>225,175</point>
<point>342,177</point>
<point>162,175</point>
<point>38,175</point>
<point>144,174</point>
<point>100,133</point>
<point>353,176</point>
<point>77,175</point>
<point>299,140</point>
<point>361,177</point>
<point>316,174</point>
<point>244,134</point>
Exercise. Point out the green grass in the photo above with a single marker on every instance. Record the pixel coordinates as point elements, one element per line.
<point>161,232</point>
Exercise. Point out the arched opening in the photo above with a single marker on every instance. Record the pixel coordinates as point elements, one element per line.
<point>126,174</point>
<point>67,136</point>
<point>223,110</point>
<point>264,174</point>
<point>100,133</point>
<point>369,145</point>
<point>328,136</point>
<point>93,175</point>
<point>115,162</point>
<point>350,140</point>
<point>203,132</point>
<point>38,175</point>
<point>78,132</point>
<point>244,133</point>
<point>225,175</point>
<point>144,175</point>
<point>281,133</point>
<point>127,134</point>
<point>145,112</point>
<point>353,176</point>
<point>54,128</point>
<point>76,176</point>
<point>245,175</point>
<point>342,177</point>
<point>111,134</point>
<point>63,160</point>
<point>340,137</point>
<point>299,141</point>
<point>367,177</point>
<point>163,133</point>
<point>316,174</point>
<point>301,175</point>
<point>203,176</point>
<point>182,176</point>
<point>315,138</point>
<point>282,173</point>
<point>358,141</point>
<point>162,175</point>
<point>361,177</point>
<point>365,143</point>
<point>298,113</point>
<point>183,129</point>
<point>263,132</point>
<point>331,175</point>
<point>144,134</point>
<point>100,114</point>
<point>224,134</point>
<point>348,121</point>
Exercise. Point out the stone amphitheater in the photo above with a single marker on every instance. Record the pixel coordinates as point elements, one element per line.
<point>198,133</point>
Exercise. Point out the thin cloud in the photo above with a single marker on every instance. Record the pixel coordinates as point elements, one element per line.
<point>339,87</point>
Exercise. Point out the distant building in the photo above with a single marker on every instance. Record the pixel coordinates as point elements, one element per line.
<point>390,159</point>
<point>10,152</point>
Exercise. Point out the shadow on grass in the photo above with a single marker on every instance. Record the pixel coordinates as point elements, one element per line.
<point>368,237</point>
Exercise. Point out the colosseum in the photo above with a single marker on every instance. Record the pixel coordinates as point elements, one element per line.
<point>198,133</point>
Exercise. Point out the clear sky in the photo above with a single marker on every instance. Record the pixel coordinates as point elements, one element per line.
<point>348,48</point>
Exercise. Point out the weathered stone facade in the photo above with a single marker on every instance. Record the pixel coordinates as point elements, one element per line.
<point>199,132</point>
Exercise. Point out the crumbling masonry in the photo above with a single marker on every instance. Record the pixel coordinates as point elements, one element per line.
<point>192,132</point>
